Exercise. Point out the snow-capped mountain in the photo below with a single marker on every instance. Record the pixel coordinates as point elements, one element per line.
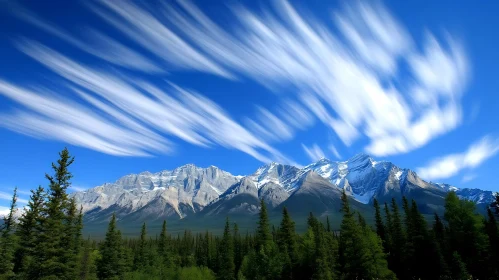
<point>186,189</point>
<point>191,190</point>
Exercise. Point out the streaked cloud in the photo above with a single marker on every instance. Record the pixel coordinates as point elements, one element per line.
<point>468,178</point>
<point>78,188</point>
<point>450,165</point>
<point>314,153</point>
<point>346,77</point>
<point>334,151</point>
<point>8,197</point>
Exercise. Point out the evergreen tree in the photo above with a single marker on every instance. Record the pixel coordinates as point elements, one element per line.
<point>493,236</point>
<point>141,260</point>
<point>238,250</point>
<point>286,242</point>
<point>361,253</point>
<point>51,248</point>
<point>8,240</point>
<point>380,227</point>
<point>72,239</point>
<point>263,234</point>
<point>226,259</point>
<point>466,234</point>
<point>398,243</point>
<point>164,249</point>
<point>328,225</point>
<point>27,232</point>
<point>111,265</point>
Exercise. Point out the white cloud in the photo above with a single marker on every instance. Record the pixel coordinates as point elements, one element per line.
<point>105,47</point>
<point>349,80</point>
<point>450,165</point>
<point>4,211</point>
<point>78,188</point>
<point>314,153</point>
<point>126,124</point>
<point>468,177</point>
<point>8,197</point>
<point>335,152</point>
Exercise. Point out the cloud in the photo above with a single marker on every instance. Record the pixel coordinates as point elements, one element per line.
<point>4,211</point>
<point>334,151</point>
<point>450,165</point>
<point>314,153</point>
<point>346,76</point>
<point>468,177</point>
<point>8,196</point>
<point>104,47</point>
<point>122,116</point>
<point>78,188</point>
<point>351,84</point>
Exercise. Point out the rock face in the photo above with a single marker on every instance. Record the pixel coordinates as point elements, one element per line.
<point>190,190</point>
<point>177,193</point>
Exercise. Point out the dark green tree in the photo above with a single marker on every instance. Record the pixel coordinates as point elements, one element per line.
<point>111,263</point>
<point>398,243</point>
<point>27,232</point>
<point>263,234</point>
<point>8,240</point>
<point>493,236</point>
<point>51,247</point>
<point>141,254</point>
<point>286,242</point>
<point>226,258</point>
<point>466,234</point>
<point>380,227</point>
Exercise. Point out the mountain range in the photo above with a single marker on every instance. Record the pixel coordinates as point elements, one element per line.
<point>191,191</point>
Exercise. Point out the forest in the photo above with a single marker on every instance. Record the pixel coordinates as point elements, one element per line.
<point>46,242</point>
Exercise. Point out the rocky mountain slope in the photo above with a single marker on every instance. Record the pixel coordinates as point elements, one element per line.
<point>194,191</point>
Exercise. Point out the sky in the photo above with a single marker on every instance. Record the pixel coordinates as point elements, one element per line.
<point>150,86</point>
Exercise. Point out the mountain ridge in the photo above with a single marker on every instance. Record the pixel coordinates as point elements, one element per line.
<point>191,190</point>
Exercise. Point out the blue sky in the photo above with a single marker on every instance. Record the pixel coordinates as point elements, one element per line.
<point>131,87</point>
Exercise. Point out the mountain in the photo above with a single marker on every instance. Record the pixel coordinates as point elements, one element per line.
<point>191,191</point>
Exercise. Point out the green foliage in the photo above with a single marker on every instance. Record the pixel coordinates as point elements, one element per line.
<point>226,255</point>
<point>111,264</point>
<point>8,240</point>
<point>46,243</point>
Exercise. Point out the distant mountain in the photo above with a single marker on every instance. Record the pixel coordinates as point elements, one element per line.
<point>191,191</point>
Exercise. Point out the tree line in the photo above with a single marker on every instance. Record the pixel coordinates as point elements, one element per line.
<point>46,242</point>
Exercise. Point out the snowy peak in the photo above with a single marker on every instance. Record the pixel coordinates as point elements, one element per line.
<point>279,174</point>
<point>189,189</point>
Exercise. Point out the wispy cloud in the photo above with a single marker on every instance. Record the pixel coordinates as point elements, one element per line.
<point>334,151</point>
<point>450,165</point>
<point>314,153</point>
<point>346,77</point>
<point>468,177</point>
<point>123,115</point>
<point>8,196</point>
<point>78,188</point>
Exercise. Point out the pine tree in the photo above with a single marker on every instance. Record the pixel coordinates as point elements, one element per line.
<point>328,225</point>
<point>263,234</point>
<point>27,233</point>
<point>226,258</point>
<point>164,249</point>
<point>361,252</point>
<point>110,265</point>
<point>238,250</point>
<point>380,227</point>
<point>493,236</point>
<point>286,242</point>
<point>141,260</point>
<point>466,234</point>
<point>72,239</point>
<point>398,240</point>
<point>8,240</point>
<point>51,256</point>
